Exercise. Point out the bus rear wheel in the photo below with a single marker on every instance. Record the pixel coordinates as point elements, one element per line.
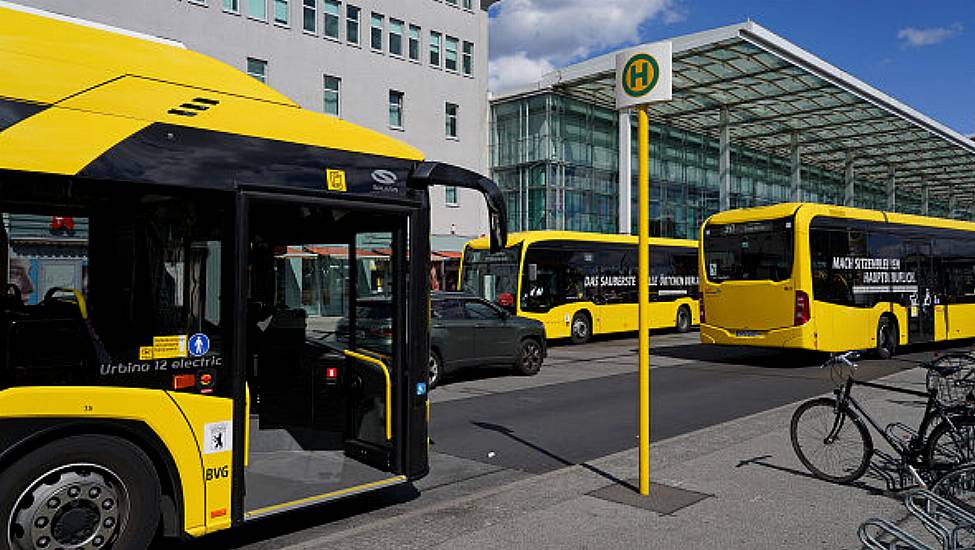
<point>91,491</point>
<point>886,337</point>
<point>581,328</point>
<point>683,319</point>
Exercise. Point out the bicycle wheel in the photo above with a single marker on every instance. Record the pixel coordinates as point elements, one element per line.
<point>833,445</point>
<point>950,445</point>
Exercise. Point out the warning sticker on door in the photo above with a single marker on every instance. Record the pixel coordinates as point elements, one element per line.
<point>169,347</point>
<point>218,437</point>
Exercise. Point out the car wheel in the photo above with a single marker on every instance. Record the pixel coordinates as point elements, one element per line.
<point>435,370</point>
<point>581,328</point>
<point>530,358</point>
<point>90,491</point>
<point>683,319</point>
<point>886,338</point>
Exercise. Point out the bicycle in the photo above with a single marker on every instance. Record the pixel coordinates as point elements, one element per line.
<point>833,443</point>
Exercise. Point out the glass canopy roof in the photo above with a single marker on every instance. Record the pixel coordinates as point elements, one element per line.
<point>776,92</point>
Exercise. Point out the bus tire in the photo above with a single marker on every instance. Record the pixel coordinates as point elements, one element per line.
<point>581,328</point>
<point>80,491</point>
<point>886,337</point>
<point>684,320</point>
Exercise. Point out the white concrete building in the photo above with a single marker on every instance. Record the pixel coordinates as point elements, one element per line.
<point>413,69</point>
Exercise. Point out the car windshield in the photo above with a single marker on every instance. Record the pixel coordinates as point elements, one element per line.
<point>493,277</point>
<point>750,251</point>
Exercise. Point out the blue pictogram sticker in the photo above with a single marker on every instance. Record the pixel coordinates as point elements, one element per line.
<point>421,388</point>
<point>199,344</point>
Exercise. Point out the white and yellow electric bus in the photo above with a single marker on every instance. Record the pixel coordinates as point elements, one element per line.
<point>168,357</point>
<point>580,284</point>
<point>830,278</point>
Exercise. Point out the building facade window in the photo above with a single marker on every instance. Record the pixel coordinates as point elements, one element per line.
<point>352,24</point>
<point>435,48</point>
<point>450,120</point>
<point>450,195</point>
<point>331,26</point>
<point>450,56</point>
<point>396,109</point>
<point>452,2</point>
<point>467,62</point>
<point>467,5</point>
<point>257,9</point>
<point>332,95</point>
<point>309,16</point>
<point>232,6</point>
<point>414,47</point>
<point>395,37</point>
<point>257,68</point>
<point>376,32</point>
<point>281,12</point>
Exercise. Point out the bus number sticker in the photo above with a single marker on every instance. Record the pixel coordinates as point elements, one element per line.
<point>146,353</point>
<point>168,347</point>
<point>218,437</point>
<point>336,180</point>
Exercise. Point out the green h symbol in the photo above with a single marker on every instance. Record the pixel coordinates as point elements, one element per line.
<point>642,72</point>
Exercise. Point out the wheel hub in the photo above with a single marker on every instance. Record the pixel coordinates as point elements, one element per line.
<point>78,506</point>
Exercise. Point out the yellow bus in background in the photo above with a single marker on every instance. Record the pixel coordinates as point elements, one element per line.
<point>579,284</point>
<point>832,278</point>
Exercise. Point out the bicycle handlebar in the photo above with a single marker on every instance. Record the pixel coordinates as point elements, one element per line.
<point>847,358</point>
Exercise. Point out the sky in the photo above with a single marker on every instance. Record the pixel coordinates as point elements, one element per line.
<point>921,53</point>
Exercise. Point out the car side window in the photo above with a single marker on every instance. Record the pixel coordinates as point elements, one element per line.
<point>481,311</point>
<point>448,309</point>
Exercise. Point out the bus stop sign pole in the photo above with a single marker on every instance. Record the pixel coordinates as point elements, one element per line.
<point>643,76</point>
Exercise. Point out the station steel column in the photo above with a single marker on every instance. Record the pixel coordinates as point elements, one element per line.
<point>643,196</point>
<point>796,168</point>
<point>724,162</point>
<point>924,199</point>
<point>850,191</point>
<point>891,189</point>
<point>625,224</point>
<point>952,205</point>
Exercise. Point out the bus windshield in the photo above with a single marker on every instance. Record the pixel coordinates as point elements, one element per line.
<point>750,251</point>
<point>492,276</point>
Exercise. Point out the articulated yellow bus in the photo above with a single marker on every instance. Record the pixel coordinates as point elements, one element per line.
<point>830,278</point>
<point>179,245</point>
<point>580,284</point>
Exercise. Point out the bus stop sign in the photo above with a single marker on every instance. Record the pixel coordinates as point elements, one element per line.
<point>643,75</point>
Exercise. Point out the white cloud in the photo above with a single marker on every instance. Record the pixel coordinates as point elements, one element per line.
<point>528,36</point>
<point>926,37</point>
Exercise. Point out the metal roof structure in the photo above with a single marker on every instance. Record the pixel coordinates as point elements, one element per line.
<point>774,92</point>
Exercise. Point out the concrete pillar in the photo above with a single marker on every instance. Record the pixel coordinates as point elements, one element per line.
<point>796,168</point>
<point>625,183</point>
<point>850,192</point>
<point>891,189</point>
<point>724,162</point>
<point>924,199</point>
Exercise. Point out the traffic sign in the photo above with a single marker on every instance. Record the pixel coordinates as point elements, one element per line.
<point>643,75</point>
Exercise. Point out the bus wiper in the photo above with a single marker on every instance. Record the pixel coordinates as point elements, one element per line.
<point>437,173</point>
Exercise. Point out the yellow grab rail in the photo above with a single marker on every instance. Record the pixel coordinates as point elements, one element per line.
<point>389,387</point>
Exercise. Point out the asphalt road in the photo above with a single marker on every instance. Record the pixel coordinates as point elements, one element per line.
<point>490,427</point>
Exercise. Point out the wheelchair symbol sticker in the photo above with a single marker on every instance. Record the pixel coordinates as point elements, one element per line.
<point>199,344</point>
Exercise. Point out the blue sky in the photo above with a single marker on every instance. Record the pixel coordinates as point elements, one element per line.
<point>921,53</point>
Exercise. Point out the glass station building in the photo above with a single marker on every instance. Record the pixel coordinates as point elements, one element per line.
<point>755,120</point>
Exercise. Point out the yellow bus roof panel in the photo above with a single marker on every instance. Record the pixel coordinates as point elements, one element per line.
<point>29,42</point>
<point>755,213</point>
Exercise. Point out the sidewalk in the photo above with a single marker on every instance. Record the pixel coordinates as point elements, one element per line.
<point>759,496</point>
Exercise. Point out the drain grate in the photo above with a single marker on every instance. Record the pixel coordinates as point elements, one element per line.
<point>663,499</point>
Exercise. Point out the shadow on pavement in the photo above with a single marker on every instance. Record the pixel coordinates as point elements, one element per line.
<point>761,461</point>
<point>508,432</point>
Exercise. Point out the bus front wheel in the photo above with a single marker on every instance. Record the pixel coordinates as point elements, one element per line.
<point>581,328</point>
<point>86,491</point>
<point>684,319</point>
<point>886,337</point>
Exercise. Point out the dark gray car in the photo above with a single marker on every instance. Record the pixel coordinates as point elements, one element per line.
<point>470,332</point>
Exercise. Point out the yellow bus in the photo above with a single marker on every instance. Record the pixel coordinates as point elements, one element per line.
<point>580,284</point>
<point>179,245</point>
<point>831,278</point>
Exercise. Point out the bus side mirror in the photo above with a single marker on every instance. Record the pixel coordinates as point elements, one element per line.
<point>436,173</point>
<point>533,272</point>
